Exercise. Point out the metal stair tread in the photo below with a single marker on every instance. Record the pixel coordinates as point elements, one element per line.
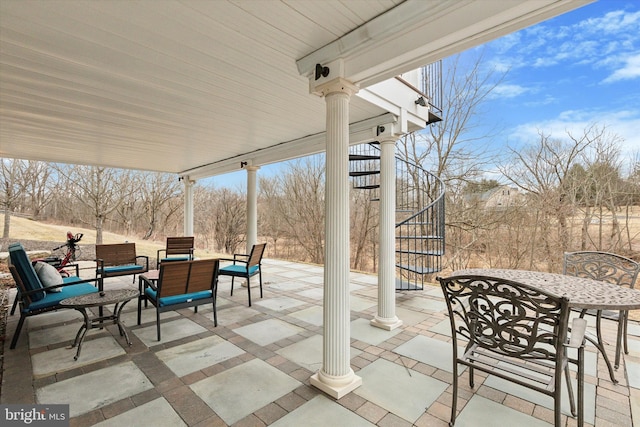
<point>414,252</point>
<point>431,237</point>
<point>358,157</point>
<point>364,173</point>
<point>417,269</point>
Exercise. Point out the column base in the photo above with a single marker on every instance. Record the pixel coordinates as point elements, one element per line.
<point>386,324</point>
<point>336,387</point>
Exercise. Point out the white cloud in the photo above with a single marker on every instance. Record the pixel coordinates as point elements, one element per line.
<point>508,91</point>
<point>623,123</point>
<point>630,70</point>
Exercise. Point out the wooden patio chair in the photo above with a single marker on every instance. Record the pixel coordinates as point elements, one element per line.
<point>517,333</point>
<point>610,268</point>
<point>176,249</point>
<point>245,266</point>
<point>181,284</point>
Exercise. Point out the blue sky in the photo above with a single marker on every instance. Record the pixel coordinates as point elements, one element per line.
<point>576,70</point>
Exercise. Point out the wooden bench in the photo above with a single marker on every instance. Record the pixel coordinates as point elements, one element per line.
<point>119,259</point>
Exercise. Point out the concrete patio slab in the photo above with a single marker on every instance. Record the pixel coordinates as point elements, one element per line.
<point>193,356</point>
<point>404,392</point>
<point>170,331</point>
<point>312,315</point>
<point>362,330</point>
<point>322,412</point>
<point>268,331</point>
<point>157,413</point>
<point>95,389</point>
<point>241,390</point>
<point>61,359</point>
<point>279,303</point>
<point>480,411</point>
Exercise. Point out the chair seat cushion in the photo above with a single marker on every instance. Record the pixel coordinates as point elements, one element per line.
<point>123,269</point>
<point>52,299</point>
<point>177,299</point>
<point>239,269</point>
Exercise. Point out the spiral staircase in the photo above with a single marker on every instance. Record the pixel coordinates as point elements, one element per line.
<point>420,224</point>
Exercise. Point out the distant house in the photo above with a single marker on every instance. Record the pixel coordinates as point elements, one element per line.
<point>501,196</point>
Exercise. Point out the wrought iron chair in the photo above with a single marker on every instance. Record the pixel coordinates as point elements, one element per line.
<point>611,268</point>
<point>517,333</point>
<point>245,266</point>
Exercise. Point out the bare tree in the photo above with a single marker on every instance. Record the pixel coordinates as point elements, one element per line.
<point>38,186</point>
<point>230,219</point>
<point>11,173</point>
<point>455,148</point>
<point>541,169</point>
<point>100,190</point>
<point>302,207</point>
<point>158,190</point>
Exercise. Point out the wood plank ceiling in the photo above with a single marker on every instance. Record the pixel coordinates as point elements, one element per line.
<point>172,85</point>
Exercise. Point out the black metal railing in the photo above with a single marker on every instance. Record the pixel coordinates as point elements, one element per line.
<point>420,238</point>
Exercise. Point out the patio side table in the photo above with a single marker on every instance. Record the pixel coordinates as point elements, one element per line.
<point>119,297</point>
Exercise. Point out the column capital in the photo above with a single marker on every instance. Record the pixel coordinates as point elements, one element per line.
<point>251,168</point>
<point>336,85</point>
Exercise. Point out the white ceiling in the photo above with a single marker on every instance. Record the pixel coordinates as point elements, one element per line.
<point>176,85</point>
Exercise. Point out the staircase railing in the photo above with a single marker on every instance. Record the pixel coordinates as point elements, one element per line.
<point>420,209</point>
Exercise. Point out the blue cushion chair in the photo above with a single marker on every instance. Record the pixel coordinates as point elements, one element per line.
<point>245,266</point>
<point>180,284</point>
<point>176,249</point>
<point>34,298</point>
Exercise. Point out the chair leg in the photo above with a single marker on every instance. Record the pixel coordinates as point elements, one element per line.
<point>232,277</point>
<point>600,346</point>
<point>567,374</point>
<point>158,322</point>
<point>260,274</point>
<point>581,386</point>
<point>16,334</point>
<point>249,289</point>
<point>622,336</point>
<point>454,400</point>
<point>215,313</point>
<point>15,303</point>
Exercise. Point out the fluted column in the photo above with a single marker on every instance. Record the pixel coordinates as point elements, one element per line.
<point>386,317</point>
<point>252,207</point>
<point>336,378</point>
<point>188,206</point>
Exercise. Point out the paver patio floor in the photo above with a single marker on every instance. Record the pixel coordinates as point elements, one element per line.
<point>254,368</point>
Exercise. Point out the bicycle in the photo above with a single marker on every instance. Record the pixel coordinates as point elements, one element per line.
<point>73,252</point>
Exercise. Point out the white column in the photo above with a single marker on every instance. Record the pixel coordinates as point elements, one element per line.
<point>386,317</point>
<point>252,207</point>
<point>336,378</point>
<point>188,206</point>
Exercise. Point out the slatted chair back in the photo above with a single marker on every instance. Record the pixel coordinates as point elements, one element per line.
<point>513,331</point>
<point>116,254</point>
<point>185,277</point>
<point>180,245</point>
<point>255,257</point>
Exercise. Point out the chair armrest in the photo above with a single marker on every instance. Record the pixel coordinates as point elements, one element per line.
<point>158,255</point>
<point>236,256</point>
<point>99,265</point>
<point>145,259</point>
<point>578,329</point>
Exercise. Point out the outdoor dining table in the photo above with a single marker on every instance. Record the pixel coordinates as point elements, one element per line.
<point>581,292</point>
